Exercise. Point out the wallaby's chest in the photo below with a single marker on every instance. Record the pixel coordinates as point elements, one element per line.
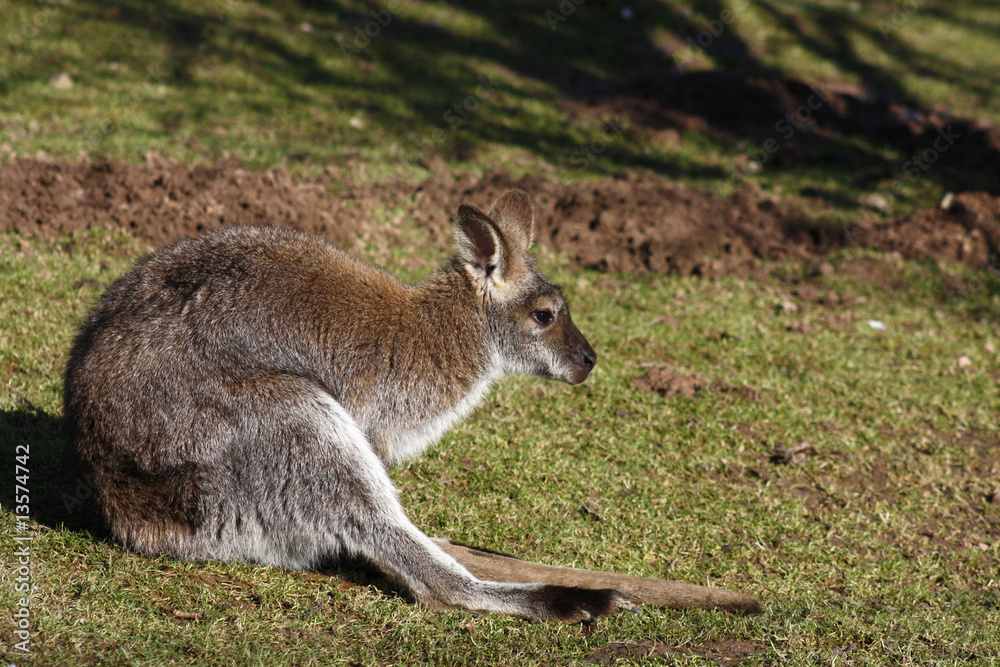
<point>411,441</point>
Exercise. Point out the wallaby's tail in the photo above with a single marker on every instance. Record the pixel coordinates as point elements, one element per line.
<point>662,592</point>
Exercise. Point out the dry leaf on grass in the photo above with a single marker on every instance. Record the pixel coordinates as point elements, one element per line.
<point>791,455</point>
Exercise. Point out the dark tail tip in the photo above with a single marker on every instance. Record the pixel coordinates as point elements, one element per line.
<point>750,607</point>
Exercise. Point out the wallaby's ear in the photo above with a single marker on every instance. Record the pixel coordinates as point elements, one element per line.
<point>480,243</point>
<point>514,214</point>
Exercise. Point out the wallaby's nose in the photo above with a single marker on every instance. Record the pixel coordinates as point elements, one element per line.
<point>583,365</point>
<point>579,354</point>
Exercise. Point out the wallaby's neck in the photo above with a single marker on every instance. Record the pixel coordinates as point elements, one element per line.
<point>449,323</point>
<point>435,365</point>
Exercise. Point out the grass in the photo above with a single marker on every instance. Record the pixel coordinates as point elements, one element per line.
<point>286,82</point>
<point>878,546</point>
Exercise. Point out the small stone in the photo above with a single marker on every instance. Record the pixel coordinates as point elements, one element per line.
<point>894,258</point>
<point>787,306</point>
<point>791,455</point>
<point>801,327</point>
<point>61,81</point>
<point>824,268</point>
<point>876,202</point>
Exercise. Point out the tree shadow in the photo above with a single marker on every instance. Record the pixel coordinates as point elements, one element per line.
<point>410,73</point>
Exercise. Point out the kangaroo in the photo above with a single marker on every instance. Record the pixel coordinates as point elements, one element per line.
<point>241,396</point>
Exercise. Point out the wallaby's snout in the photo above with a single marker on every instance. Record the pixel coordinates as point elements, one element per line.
<point>572,357</point>
<point>551,346</point>
<point>582,358</point>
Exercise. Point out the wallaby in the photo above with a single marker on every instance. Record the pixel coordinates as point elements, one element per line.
<point>242,395</point>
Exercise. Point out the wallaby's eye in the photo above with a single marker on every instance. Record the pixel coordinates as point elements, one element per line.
<point>543,317</point>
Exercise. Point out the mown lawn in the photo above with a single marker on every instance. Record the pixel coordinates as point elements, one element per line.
<point>849,477</point>
<point>477,84</point>
<point>878,543</point>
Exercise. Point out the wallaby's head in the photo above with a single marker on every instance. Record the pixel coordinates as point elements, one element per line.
<point>530,326</point>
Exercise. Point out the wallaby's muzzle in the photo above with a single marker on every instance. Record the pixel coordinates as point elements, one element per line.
<point>581,358</point>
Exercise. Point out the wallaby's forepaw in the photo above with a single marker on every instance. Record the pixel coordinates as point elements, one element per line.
<point>574,604</point>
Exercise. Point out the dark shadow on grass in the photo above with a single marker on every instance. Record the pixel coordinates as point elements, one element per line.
<point>56,499</point>
<point>411,71</point>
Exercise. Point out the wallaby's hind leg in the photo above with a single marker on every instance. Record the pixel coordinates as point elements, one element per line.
<point>343,501</point>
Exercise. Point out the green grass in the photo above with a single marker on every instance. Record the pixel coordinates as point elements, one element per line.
<point>879,547</point>
<point>280,83</point>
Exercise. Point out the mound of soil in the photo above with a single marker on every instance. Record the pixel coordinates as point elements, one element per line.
<point>724,652</point>
<point>629,223</point>
<point>162,201</point>
<point>667,382</point>
<point>968,232</point>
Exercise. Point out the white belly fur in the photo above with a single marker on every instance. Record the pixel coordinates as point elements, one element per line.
<point>415,442</point>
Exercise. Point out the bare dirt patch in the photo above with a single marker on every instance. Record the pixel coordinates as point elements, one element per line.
<point>667,382</point>
<point>163,201</point>
<point>636,222</point>
<point>724,652</point>
<point>968,232</point>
